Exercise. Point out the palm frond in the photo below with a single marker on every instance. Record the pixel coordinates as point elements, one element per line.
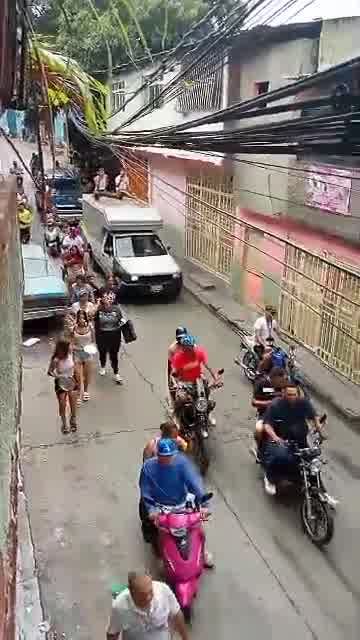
<point>68,85</point>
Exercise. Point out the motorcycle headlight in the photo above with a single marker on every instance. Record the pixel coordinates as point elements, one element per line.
<point>178,533</point>
<point>201,405</point>
<point>315,466</point>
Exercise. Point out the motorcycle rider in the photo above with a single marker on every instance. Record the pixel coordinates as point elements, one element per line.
<point>189,362</point>
<point>53,235</point>
<point>25,217</point>
<point>167,430</point>
<point>286,419</point>
<point>266,388</point>
<point>174,348</point>
<point>166,480</point>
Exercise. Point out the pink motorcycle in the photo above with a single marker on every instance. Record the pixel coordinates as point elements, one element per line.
<point>181,545</point>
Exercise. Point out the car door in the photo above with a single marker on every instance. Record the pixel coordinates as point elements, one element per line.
<point>107,252</point>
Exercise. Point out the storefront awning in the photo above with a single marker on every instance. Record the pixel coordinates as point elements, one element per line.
<point>184,155</point>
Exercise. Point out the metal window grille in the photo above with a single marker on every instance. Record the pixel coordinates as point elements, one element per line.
<point>118,95</point>
<point>202,88</point>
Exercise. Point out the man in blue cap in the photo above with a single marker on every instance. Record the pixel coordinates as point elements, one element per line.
<point>167,479</point>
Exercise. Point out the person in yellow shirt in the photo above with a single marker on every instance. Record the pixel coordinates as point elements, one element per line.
<point>25,217</point>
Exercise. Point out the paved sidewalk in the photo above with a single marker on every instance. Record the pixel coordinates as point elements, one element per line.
<point>212,292</point>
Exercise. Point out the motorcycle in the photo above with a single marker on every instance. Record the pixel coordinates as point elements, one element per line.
<point>250,359</point>
<point>193,412</point>
<point>315,506</point>
<point>181,545</point>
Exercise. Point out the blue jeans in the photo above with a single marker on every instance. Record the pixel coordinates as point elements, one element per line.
<point>278,461</point>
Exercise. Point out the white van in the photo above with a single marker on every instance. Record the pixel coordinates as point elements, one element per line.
<point>123,236</point>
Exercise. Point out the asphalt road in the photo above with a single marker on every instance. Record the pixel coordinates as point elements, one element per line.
<point>269,580</point>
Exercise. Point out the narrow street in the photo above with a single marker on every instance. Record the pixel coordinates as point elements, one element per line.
<point>82,497</point>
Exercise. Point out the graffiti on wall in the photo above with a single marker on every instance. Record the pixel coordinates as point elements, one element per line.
<point>328,188</point>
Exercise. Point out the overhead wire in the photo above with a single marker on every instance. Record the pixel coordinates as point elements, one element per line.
<point>289,267</point>
<point>247,224</point>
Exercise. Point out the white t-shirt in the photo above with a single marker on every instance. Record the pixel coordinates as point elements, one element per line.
<point>69,242</point>
<point>122,182</point>
<point>264,328</point>
<point>139,624</point>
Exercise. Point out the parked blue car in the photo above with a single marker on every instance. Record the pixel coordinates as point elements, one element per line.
<point>45,293</point>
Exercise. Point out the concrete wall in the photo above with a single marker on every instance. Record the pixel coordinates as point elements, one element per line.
<point>10,388</point>
<point>344,226</point>
<point>339,41</point>
<point>261,189</point>
<point>166,115</point>
<point>168,184</point>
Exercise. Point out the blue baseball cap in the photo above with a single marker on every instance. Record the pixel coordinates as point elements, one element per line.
<point>166,447</point>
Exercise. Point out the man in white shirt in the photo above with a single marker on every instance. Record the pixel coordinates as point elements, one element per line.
<point>264,328</point>
<point>101,180</point>
<point>122,182</point>
<point>146,610</point>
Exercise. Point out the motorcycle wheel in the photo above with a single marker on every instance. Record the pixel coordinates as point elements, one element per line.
<point>320,530</point>
<point>202,454</point>
<point>187,613</point>
<point>250,363</point>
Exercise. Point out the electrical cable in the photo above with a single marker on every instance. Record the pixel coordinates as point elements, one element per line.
<point>248,225</point>
<point>290,268</point>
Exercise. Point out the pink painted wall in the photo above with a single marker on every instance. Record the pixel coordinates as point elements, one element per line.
<point>258,290</point>
<point>168,184</point>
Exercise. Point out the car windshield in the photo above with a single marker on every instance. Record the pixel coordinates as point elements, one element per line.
<point>37,267</point>
<point>67,185</point>
<point>139,246</point>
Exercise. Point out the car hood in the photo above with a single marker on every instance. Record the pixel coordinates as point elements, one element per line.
<point>45,286</point>
<point>149,266</point>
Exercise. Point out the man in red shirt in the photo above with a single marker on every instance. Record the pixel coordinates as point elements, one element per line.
<point>189,362</point>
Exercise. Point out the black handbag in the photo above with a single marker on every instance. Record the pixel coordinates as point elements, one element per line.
<point>128,331</point>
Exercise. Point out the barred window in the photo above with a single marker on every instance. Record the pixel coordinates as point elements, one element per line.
<point>202,88</point>
<point>152,95</point>
<point>118,95</point>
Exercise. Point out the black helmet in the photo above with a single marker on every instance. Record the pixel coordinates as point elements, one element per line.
<point>180,332</point>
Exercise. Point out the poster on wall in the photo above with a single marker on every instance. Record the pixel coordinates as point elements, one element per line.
<point>328,188</point>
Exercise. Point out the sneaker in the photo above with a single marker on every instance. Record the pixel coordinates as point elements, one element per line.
<point>118,379</point>
<point>332,502</point>
<point>208,560</point>
<point>212,420</point>
<point>102,371</point>
<point>269,487</point>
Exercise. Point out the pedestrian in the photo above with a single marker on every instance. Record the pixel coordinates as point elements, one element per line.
<point>80,285</point>
<point>73,261</point>
<point>62,368</point>
<point>112,287</point>
<point>122,182</point>
<point>101,181</point>
<point>108,321</point>
<point>82,336</point>
<point>146,610</point>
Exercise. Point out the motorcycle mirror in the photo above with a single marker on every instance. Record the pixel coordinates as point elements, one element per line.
<point>220,372</point>
<point>207,497</point>
<point>323,418</point>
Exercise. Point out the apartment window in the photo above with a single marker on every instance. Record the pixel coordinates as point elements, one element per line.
<point>261,87</point>
<point>202,88</point>
<point>118,95</point>
<point>153,93</point>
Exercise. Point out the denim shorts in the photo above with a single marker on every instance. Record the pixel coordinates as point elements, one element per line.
<point>81,356</point>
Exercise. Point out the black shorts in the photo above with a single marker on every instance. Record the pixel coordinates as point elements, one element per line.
<point>59,391</point>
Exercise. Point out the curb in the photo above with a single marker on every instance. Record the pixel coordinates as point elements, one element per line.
<point>239,328</point>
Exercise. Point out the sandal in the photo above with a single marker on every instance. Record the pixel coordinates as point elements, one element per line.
<point>86,396</point>
<point>65,429</point>
<point>73,425</point>
<point>78,402</point>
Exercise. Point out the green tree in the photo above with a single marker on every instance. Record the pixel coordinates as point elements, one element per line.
<point>95,32</point>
